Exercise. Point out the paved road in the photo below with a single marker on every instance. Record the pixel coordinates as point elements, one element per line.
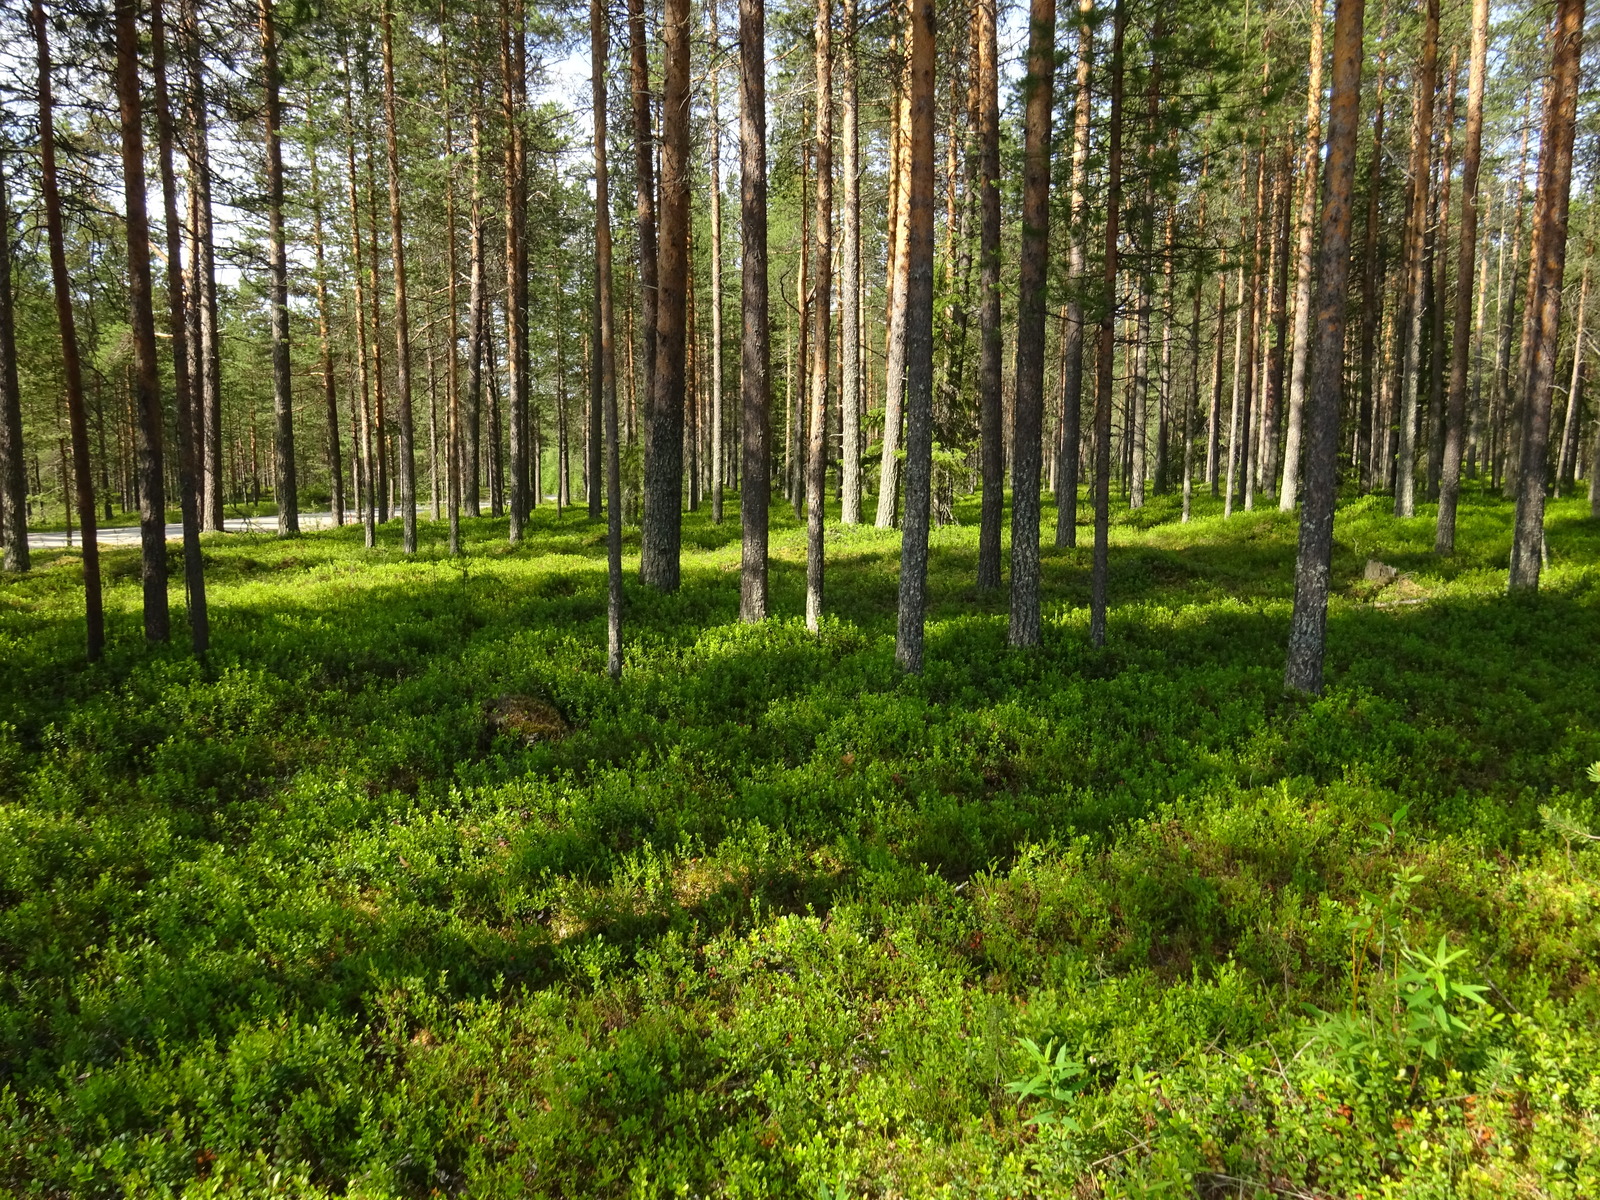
<point>128,535</point>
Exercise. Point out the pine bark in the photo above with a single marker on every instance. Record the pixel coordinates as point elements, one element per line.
<point>516,309</point>
<point>1032,302</point>
<point>13,468</point>
<point>330,393</point>
<point>913,590</point>
<point>1456,409</point>
<point>206,349</point>
<point>899,266</point>
<point>1069,446</point>
<point>1305,220</point>
<point>822,303</point>
<point>178,328</point>
<point>850,276</point>
<point>605,345</point>
<point>1405,482</point>
<point>717,419</point>
<point>1100,570</point>
<point>1555,179</point>
<point>661,535</point>
<point>284,479</point>
<point>149,425</point>
<point>1314,560</point>
<point>754,347</point>
<point>992,450</point>
<point>644,159</point>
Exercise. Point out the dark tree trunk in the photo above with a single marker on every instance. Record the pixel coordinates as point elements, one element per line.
<point>1555,179</point>
<point>822,303</point>
<point>755,485</point>
<point>1456,412</point>
<point>850,281</point>
<point>661,535</point>
<point>183,393</point>
<point>1313,564</point>
<point>1405,480</point>
<point>1068,449</point>
<point>284,483</point>
<point>644,159</point>
<point>206,348</point>
<point>1100,570</point>
<point>1305,220</point>
<point>913,591</point>
<point>13,469</point>
<point>141,319</point>
<point>1033,281</point>
<point>992,453</point>
<point>330,395</point>
<point>605,365</point>
<point>516,390</point>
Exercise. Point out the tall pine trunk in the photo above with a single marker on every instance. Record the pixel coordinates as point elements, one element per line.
<point>206,348</point>
<point>1314,560</point>
<point>1555,179</point>
<point>71,364</point>
<point>1405,481</point>
<point>644,191</point>
<point>605,345</point>
<point>284,483</point>
<point>992,451</point>
<point>822,303</point>
<point>1305,220</point>
<point>1032,301</point>
<point>183,392</point>
<point>13,469</point>
<point>1068,448</point>
<point>1444,541</point>
<point>661,535</point>
<point>850,278</point>
<point>149,427</point>
<point>1100,569</point>
<point>913,590</point>
<point>755,484</point>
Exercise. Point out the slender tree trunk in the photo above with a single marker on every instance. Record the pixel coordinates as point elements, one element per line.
<point>330,395</point>
<point>402,323</point>
<point>913,597</point>
<point>717,483</point>
<point>13,469</point>
<point>452,455</point>
<point>663,444</point>
<point>284,483</point>
<point>1236,434</point>
<point>146,370</point>
<point>1214,412</point>
<point>1192,398</point>
<point>472,442</point>
<point>1135,431</point>
<point>1567,457</point>
<point>822,303</point>
<point>850,278</point>
<point>183,393</point>
<point>1456,413</point>
<point>364,450</point>
<point>1032,302</point>
<point>992,453</point>
<point>644,191</point>
<point>515,310</point>
<point>1405,486</point>
<point>1314,561</point>
<point>798,368</point>
<point>206,349</point>
<point>894,371</point>
<point>1373,272</point>
<point>1440,287</point>
<point>1164,399</point>
<point>1249,418</point>
<point>755,486</point>
<point>1069,448</point>
<point>1305,220</point>
<point>1272,393</point>
<point>1100,571</point>
<point>1555,178</point>
<point>605,346</point>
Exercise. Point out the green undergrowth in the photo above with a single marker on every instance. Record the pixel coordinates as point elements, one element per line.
<point>769,919</point>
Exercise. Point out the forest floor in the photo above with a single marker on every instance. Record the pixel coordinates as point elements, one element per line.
<point>400,895</point>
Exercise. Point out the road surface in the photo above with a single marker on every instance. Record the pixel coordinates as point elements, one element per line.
<point>128,535</point>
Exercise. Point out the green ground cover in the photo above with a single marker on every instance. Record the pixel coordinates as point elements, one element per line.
<point>769,919</point>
